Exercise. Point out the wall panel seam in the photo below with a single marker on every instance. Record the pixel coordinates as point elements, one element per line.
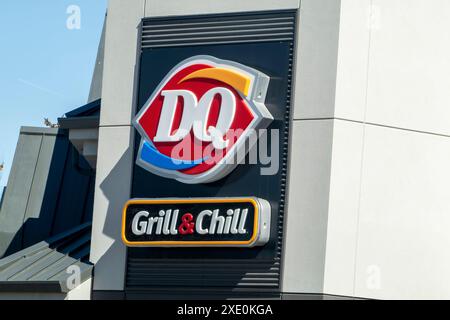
<point>375,125</point>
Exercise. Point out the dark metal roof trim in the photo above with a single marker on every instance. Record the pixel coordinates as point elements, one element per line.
<point>45,131</point>
<point>31,286</point>
<point>42,267</point>
<point>79,122</point>
<point>85,117</point>
<point>92,108</point>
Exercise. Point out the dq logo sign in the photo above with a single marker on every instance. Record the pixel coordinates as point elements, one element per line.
<point>200,117</point>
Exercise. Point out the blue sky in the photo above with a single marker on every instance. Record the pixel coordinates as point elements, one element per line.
<point>45,67</point>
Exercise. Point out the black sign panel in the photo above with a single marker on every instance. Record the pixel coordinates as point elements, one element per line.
<point>191,222</point>
<point>209,267</point>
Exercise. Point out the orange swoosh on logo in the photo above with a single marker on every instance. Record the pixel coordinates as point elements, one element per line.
<point>233,78</point>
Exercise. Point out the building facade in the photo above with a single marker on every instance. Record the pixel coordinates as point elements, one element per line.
<point>356,91</point>
<point>366,205</point>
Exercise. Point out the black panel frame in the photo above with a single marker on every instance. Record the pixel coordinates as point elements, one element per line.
<point>147,185</point>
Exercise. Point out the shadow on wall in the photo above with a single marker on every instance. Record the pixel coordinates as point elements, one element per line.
<point>50,190</point>
<point>2,196</point>
<point>116,183</point>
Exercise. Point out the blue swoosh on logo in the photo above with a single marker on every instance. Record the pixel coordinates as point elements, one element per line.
<point>150,155</point>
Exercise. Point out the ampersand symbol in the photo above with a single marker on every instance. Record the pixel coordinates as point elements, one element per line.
<point>187,226</point>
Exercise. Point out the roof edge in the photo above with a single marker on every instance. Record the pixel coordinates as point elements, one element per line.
<point>31,287</point>
<point>89,122</point>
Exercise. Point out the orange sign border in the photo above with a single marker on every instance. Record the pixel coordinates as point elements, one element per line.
<point>191,243</point>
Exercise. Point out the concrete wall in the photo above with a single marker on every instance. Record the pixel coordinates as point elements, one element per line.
<point>403,214</point>
<point>114,161</point>
<point>311,146</point>
<point>385,228</point>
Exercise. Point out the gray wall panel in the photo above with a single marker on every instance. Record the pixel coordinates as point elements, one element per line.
<point>17,194</point>
<point>46,184</point>
<point>73,194</point>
